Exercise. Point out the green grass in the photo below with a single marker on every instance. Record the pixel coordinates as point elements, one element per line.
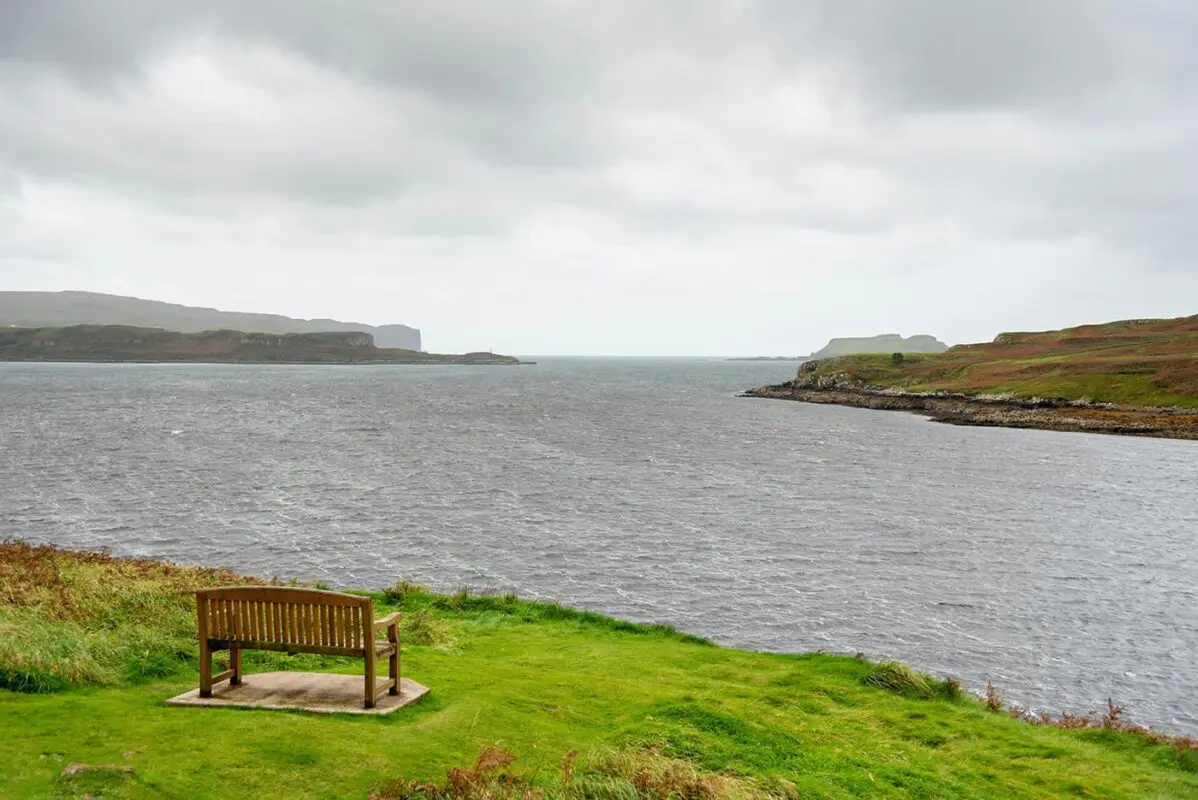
<point>651,711</point>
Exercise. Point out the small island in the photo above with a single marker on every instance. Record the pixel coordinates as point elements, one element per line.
<point>885,343</point>
<point>126,344</point>
<point>1135,377</point>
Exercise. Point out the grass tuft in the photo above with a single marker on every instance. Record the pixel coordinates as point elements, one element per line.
<point>424,629</point>
<point>402,588</point>
<point>897,677</point>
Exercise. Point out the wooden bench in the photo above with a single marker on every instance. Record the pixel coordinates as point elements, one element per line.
<point>291,620</point>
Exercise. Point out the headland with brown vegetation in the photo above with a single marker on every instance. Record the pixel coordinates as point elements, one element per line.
<point>1136,377</point>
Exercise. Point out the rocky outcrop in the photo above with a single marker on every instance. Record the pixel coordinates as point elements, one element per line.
<point>886,343</point>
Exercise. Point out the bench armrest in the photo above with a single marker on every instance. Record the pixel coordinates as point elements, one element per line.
<point>387,621</point>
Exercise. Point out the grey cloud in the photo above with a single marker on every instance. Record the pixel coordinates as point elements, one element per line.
<point>91,40</point>
<point>945,55</point>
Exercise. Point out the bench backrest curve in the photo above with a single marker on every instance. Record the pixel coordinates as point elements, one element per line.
<point>284,615</point>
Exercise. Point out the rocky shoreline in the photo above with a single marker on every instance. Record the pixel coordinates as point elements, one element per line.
<point>959,409</point>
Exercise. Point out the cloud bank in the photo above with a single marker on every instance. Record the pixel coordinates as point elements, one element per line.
<point>737,177</point>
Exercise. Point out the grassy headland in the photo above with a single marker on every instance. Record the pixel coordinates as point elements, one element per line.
<point>119,343</point>
<point>1131,377</point>
<point>587,706</point>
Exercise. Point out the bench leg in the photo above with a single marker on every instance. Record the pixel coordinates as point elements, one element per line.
<point>205,669</point>
<point>370,672</point>
<point>393,637</point>
<point>235,665</point>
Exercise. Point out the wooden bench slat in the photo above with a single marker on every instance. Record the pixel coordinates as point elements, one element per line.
<point>309,627</point>
<point>253,607</point>
<point>283,647</point>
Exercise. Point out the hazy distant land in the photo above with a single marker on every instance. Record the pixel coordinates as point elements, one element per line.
<point>769,358</point>
<point>886,343</point>
<point>58,309</point>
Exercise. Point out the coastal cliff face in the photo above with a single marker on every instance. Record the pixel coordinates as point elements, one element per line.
<point>59,309</point>
<point>886,343</point>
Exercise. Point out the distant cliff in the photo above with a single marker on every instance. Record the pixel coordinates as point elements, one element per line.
<point>121,343</point>
<point>886,343</point>
<point>58,309</point>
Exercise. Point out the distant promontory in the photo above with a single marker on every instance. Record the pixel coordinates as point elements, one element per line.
<point>125,344</point>
<point>1134,377</point>
<point>59,309</point>
<point>886,343</point>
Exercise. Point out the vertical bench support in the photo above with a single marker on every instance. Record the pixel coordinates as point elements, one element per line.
<point>235,665</point>
<point>370,654</point>
<point>393,638</point>
<point>205,650</point>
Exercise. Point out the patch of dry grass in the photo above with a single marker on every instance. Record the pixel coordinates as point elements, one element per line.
<point>89,618</point>
<point>626,774</point>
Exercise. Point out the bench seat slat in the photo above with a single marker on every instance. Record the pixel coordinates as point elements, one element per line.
<point>381,648</point>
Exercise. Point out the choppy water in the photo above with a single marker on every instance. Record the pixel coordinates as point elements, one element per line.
<point>1060,566</point>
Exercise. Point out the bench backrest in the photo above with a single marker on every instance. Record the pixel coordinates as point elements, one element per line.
<point>286,616</point>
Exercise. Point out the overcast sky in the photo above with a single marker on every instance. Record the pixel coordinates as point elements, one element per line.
<point>625,177</point>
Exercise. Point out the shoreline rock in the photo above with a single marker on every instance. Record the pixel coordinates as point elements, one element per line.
<point>1003,412</point>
